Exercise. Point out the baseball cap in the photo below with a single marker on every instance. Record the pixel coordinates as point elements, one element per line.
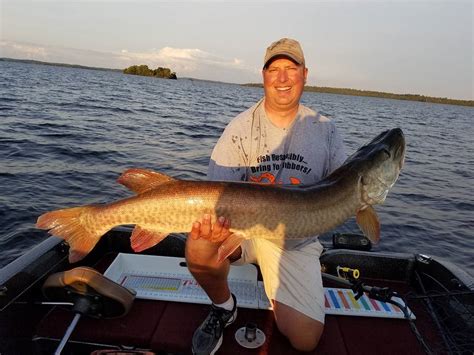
<point>287,47</point>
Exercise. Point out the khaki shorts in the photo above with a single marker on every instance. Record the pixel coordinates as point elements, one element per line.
<point>292,277</point>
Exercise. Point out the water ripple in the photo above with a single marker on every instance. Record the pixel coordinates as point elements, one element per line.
<point>67,134</point>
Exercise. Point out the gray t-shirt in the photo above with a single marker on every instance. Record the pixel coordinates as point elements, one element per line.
<point>252,148</point>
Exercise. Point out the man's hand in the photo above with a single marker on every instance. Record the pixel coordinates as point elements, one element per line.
<point>216,232</point>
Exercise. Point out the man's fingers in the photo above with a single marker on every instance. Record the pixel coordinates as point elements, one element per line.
<point>195,230</point>
<point>224,232</point>
<point>217,229</point>
<point>206,226</point>
<point>225,229</point>
<point>227,224</point>
<point>216,232</point>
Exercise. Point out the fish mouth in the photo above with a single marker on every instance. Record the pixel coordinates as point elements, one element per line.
<point>385,189</point>
<point>381,162</point>
<point>394,144</point>
<point>380,197</point>
<point>400,153</point>
<point>385,184</point>
<point>391,143</point>
<point>377,190</point>
<point>392,137</point>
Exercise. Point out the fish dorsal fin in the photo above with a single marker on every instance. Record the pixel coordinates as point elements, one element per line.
<point>368,222</point>
<point>142,180</point>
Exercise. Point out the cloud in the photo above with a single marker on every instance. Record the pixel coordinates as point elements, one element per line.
<point>27,51</point>
<point>192,62</point>
<point>180,59</point>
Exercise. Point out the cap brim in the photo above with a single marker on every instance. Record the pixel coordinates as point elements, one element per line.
<point>284,54</point>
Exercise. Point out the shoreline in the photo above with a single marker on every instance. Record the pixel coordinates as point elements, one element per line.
<point>32,61</point>
<point>381,94</point>
<point>317,89</point>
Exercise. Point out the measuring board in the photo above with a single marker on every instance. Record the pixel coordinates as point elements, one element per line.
<point>343,302</point>
<point>168,279</point>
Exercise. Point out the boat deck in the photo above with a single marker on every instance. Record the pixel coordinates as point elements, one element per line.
<point>167,327</point>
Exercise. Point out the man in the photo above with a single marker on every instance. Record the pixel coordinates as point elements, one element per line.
<point>276,141</point>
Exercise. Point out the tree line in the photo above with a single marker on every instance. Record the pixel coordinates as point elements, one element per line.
<point>386,95</point>
<point>143,70</point>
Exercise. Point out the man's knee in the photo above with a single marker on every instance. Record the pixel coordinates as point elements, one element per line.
<point>308,343</point>
<point>302,331</point>
<point>305,338</point>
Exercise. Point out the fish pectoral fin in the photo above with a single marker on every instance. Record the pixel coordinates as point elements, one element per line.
<point>228,246</point>
<point>142,180</point>
<point>143,238</point>
<point>368,222</point>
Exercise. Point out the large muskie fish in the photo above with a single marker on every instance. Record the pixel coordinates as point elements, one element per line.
<point>164,205</point>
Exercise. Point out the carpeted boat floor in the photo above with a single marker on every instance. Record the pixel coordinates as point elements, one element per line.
<point>167,327</point>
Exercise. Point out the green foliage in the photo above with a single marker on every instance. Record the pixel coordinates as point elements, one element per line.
<point>385,95</point>
<point>143,70</point>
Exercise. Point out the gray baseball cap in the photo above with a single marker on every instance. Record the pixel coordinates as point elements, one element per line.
<point>285,47</point>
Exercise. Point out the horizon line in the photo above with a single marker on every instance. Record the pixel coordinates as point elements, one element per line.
<point>464,102</point>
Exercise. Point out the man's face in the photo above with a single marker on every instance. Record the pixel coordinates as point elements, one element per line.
<point>283,82</point>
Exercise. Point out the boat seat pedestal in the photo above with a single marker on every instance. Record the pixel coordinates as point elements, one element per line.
<point>90,294</point>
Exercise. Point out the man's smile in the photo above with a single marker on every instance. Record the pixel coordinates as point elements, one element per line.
<point>283,88</point>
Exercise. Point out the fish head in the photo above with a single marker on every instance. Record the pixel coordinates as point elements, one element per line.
<point>378,164</point>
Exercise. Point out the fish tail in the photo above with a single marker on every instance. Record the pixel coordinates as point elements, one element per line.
<point>76,226</point>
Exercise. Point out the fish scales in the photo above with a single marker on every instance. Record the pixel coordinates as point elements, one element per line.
<point>164,205</point>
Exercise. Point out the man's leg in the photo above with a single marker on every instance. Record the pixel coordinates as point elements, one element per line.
<point>302,331</point>
<point>293,282</point>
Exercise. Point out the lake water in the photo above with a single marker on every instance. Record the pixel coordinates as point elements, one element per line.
<point>66,134</point>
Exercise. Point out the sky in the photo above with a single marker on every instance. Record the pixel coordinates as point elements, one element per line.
<point>418,47</point>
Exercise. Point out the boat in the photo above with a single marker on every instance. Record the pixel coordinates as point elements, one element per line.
<point>41,314</point>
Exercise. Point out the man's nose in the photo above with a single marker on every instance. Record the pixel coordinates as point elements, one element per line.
<point>282,76</point>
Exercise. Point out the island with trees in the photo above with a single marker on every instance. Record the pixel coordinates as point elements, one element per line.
<point>143,70</point>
